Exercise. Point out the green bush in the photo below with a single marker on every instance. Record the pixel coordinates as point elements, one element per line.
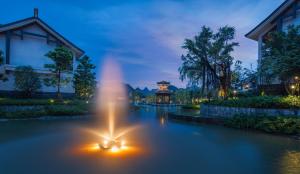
<point>28,102</point>
<point>281,125</point>
<point>49,110</point>
<point>26,80</point>
<point>69,110</point>
<point>289,102</point>
<point>196,107</point>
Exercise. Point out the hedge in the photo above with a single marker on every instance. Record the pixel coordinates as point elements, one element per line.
<point>288,102</point>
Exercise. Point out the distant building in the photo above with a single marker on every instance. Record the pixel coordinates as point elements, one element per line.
<point>163,94</point>
<point>288,13</point>
<point>25,43</point>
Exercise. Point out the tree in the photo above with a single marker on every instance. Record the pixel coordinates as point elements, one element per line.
<point>26,80</point>
<point>84,78</point>
<point>150,98</point>
<point>281,56</point>
<point>62,61</point>
<point>2,72</point>
<point>208,60</point>
<point>182,96</point>
<point>237,75</point>
<point>242,77</point>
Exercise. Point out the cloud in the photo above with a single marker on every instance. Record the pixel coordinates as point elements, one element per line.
<point>146,36</point>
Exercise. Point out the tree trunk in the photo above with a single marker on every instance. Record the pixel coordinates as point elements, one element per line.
<point>59,97</point>
<point>203,79</point>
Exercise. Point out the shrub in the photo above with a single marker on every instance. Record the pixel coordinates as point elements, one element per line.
<point>196,107</point>
<point>282,125</point>
<point>28,102</point>
<point>51,110</point>
<point>289,102</point>
<point>26,80</point>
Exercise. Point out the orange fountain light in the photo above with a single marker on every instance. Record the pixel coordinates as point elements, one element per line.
<point>114,145</point>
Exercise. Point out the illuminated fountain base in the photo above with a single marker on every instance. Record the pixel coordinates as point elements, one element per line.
<point>112,145</point>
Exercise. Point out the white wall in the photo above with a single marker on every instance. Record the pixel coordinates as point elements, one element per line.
<point>31,51</point>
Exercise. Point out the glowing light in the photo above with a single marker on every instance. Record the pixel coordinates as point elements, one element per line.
<point>296,77</point>
<point>293,86</point>
<point>105,142</point>
<point>290,162</point>
<point>115,149</point>
<point>111,118</point>
<point>123,143</point>
<point>51,101</point>
<point>162,121</point>
<point>87,102</point>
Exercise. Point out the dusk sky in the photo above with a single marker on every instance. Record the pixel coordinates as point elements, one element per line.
<point>145,37</point>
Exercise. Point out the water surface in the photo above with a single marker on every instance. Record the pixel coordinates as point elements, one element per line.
<point>158,146</point>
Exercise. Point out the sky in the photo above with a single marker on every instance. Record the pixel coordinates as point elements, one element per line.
<point>144,37</point>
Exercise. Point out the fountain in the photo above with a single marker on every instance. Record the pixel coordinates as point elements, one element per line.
<point>112,104</point>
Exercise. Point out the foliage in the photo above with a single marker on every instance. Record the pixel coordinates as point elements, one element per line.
<point>33,102</point>
<point>62,61</point>
<point>196,107</point>
<point>260,102</point>
<point>242,78</point>
<point>51,110</point>
<point>248,93</point>
<point>137,96</point>
<point>283,125</point>
<point>190,95</point>
<point>2,73</point>
<point>182,96</point>
<point>151,98</point>
<point>208,60</point>
<point>26,80</point>
<point>281,53</point>
<point>84,78</point>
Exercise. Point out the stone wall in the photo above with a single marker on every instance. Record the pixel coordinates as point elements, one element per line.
<point>221,111</point>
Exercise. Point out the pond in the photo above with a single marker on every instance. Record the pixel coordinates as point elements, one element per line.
<point>159,146</point>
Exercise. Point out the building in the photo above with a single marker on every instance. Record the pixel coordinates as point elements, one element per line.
<point>25,43</point>
<point>288,13</point>
<point>163,94</point>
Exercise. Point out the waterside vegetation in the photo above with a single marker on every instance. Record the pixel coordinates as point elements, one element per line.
<point>277,125</point>
<point>278,102</point>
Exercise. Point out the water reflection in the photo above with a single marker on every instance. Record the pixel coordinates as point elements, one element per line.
<point>162,115</point>
<point>291,162</point>
<point>176,147</point>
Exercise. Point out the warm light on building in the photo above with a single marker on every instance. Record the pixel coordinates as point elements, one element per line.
<point>163,94</point>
